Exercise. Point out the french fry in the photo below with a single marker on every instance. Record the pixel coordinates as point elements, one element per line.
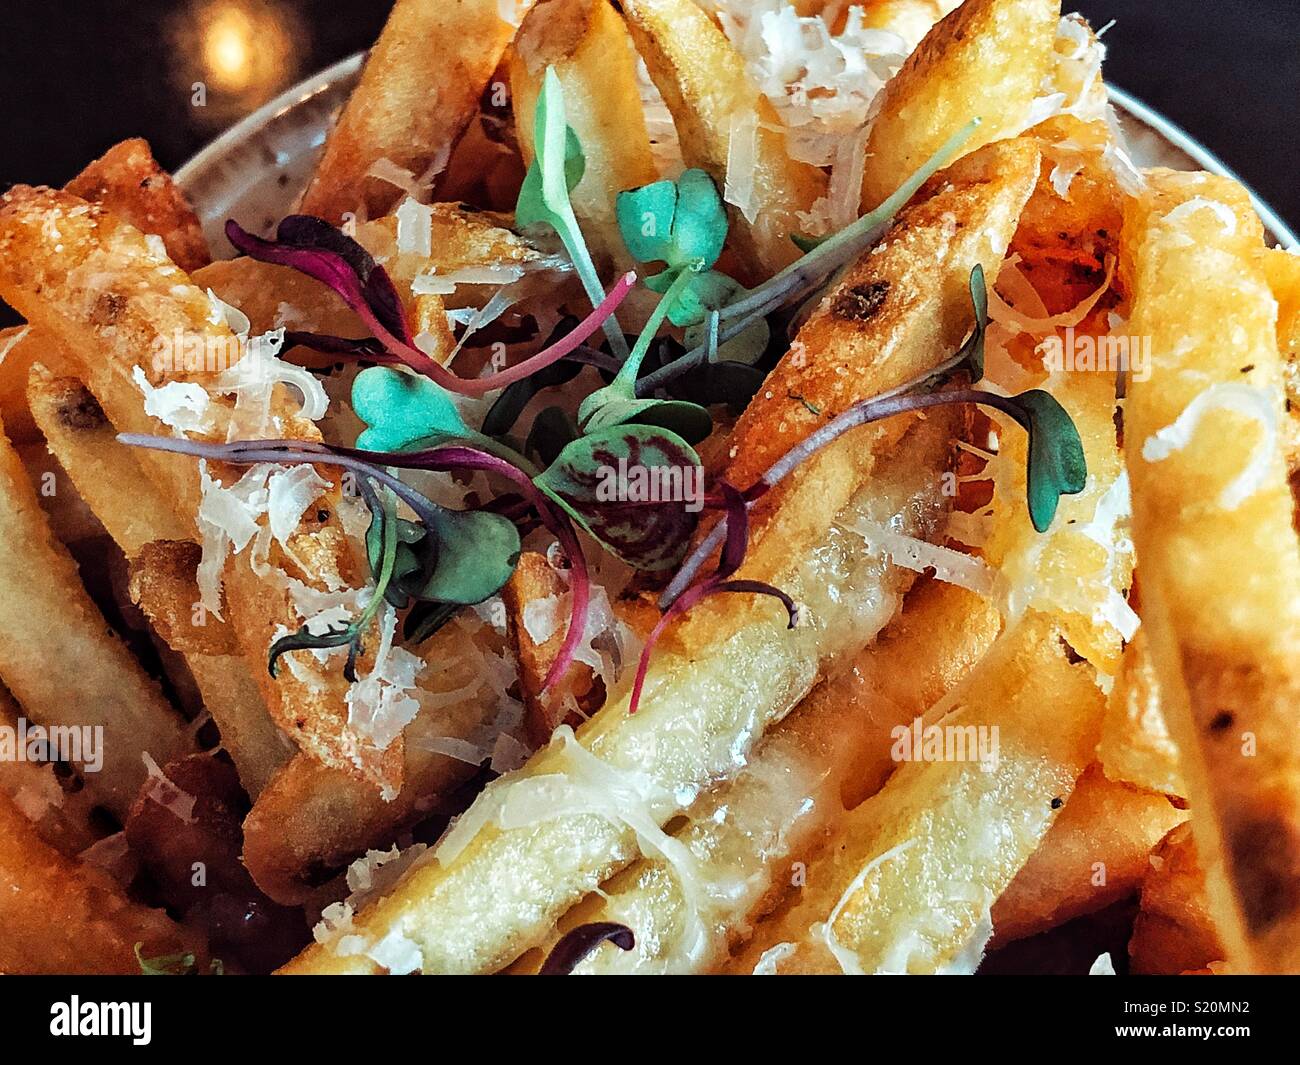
<point>128,181</point>
<point>20,347</point>
<point>61,816</point>
<point>61,916</point>
<point>588,46</point>
<point>273,296</point>
<point>1212,522</point>
<point>726,127</point>
<point>746,837</point>
<point>1283,271</point>
<point>313,818</point>
<point>1135,745</point>
<point>986,60</point>
<point>105,292</point>
<point>164,586</point>
<point>419,90</point>
<point>1095,854</point>
<point>106,475</point>
<point>910,19</point>
<point>1174,931</point>
<point>71,520</point>
<point>162,566</point>
<point>883,323</point>
<point>917,867</point>
<point>453,909</point>
<point>48,618</point>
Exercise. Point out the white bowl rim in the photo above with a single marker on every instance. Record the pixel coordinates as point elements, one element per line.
<point>298,94</point>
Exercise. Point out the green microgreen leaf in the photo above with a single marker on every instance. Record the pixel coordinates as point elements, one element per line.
<point>1056,465</point>
<point>544,196</point>
<point>614,483</point>
<point>400,408</point>
<point>552,431</point>
<point>679,223</point>
<point>183,964</point>
<point>503,413</point>
<point>972,352</point>
<point>465,558</point>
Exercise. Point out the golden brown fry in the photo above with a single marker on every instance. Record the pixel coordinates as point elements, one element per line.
<point>129,182</point>
<point>910,19</point>
<point>1283,271</point>
<point>106,475</point>
<point>1212,523</point>
<point>762,827</point>
<point>890,318</point>
<point>162,568</point>
<point>273,296</point>
<point>93,281</point>
<point>61,816</point>
<point>1135,745</point>
<point>1095,853</point>
<point>20,347</point>
<point>419,90</point>
<point>163,585</point>
<point>986,60</point>
<point>61,916</point>
<point>717,108</point>
<point>71,519</point>
<point>882,895</point>
<point>59,659</point>
<point>1174,931</point>
<point>588,47</point>
<point>572,697</point>
<point>313,818</point>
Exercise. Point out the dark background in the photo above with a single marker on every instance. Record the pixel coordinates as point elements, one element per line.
<point>79,75</point>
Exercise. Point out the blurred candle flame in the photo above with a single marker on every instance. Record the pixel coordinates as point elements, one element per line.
<point>243,51</point>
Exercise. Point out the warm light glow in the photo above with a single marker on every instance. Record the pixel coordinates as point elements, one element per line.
<point>228,49</point>
<point>242,51</point>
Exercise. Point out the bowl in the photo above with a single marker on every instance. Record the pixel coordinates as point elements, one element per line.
<point>255,171</point>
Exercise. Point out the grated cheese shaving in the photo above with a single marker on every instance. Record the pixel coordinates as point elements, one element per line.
<point>849,963</point>
<point>414,228</point>
<point>952,566</point>
<point>1246,400</point>
<point>380,704</point>
<point>161,790</point>
<point>823,85</point>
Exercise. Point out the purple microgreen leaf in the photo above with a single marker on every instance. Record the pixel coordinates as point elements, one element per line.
<point>366,288</point>
<point>637,489</point>
<point>576,945</point>
<point>711,585</point>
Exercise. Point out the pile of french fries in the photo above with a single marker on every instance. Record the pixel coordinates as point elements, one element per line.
<point>968,731</point>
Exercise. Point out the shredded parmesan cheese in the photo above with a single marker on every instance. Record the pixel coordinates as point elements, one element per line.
<point>1246,400</point>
